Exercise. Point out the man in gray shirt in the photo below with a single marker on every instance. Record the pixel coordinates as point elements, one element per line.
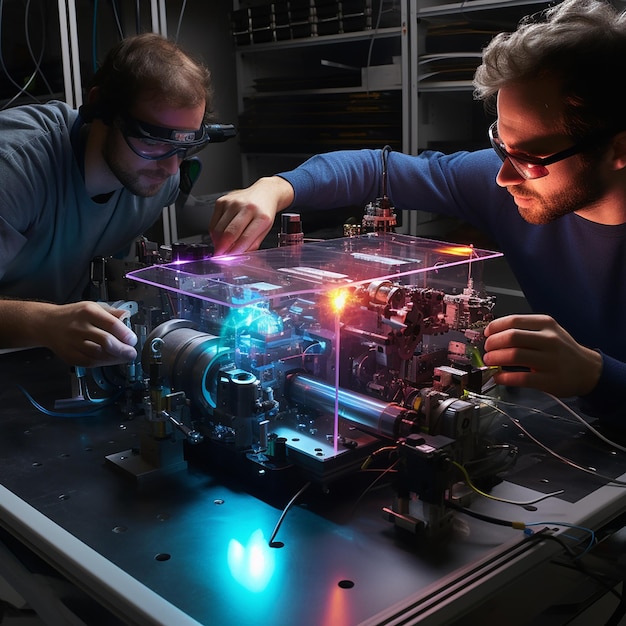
<point>81,184</point>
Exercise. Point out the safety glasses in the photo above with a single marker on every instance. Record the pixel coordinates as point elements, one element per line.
<point>530,167</point>
<point>157,142</point>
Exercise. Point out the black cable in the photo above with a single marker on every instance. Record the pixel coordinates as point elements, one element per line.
<point>556,539</point>
<point>22,89</point>
<point>137,17</point>
<point>384,155</point>
<point>291,502</point>
<point>618,614</point>
<point>511,524</point>
<point>116,16</point>
<point>44,20</point>
<point>608,585</point>
<point>94,37</point>
<point>481,516</point>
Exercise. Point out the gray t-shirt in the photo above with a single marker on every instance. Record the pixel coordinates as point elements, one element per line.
<point>50,229</point>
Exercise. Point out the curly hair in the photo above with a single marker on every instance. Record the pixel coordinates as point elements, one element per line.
<point>581,45</point>
<point>149,65</point>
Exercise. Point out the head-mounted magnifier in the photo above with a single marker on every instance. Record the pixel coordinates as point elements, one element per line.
<point>158,142</point>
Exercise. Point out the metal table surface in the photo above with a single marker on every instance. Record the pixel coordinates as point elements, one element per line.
<point>195,543</point>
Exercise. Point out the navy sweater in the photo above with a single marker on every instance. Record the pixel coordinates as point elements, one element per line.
<point>571,269</point>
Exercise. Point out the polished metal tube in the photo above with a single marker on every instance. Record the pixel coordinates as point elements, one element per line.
<point>369,414</point>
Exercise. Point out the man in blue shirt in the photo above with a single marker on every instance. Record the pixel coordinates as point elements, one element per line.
<point>551,193</point>
<point>76,186</point>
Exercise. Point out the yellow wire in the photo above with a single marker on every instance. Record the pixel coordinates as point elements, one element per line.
<point>476,357</point>
<point>470,484</point>
<point>475,489</point>
<point>369,459</point>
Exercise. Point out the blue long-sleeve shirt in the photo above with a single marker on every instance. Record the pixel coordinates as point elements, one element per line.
<point>571,269</point>
<point>50,228</point>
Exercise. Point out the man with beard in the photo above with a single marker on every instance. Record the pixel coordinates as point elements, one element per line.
<point>551,193</point>
<point>81,184</point>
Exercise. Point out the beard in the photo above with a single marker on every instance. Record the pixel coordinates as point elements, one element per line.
<point>136,183</point>
<point>539,209</point>
<point>144,182</point>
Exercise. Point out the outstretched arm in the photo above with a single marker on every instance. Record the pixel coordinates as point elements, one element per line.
<point>242,218</point>
<point>458,185</point>
<point>82,333</point>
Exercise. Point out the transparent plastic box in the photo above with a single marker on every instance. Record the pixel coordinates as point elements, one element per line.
<point>326,344</point>
<point>317,268</point>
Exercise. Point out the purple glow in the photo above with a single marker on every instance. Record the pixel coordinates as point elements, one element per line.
<point>337,351</point>
<point>230,258</point>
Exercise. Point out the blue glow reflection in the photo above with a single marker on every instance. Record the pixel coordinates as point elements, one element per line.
<point>252,565</point>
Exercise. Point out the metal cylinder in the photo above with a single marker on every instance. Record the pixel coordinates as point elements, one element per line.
<point>369,414</point>
<point>237,393</point>
<point>190,359</point>
<point>385,292</point>
<point>290,230</point>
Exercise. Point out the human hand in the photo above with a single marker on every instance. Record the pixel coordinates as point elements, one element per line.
<point>86,334</point>
<point>555,362</point>
<point>242,218</point>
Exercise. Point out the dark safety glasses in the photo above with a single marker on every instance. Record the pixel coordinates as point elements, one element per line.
<point>530,167</point>
<point>157,142</point>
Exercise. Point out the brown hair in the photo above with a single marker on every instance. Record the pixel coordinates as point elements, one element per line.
<point>148,65</point>
<point>581,44</point>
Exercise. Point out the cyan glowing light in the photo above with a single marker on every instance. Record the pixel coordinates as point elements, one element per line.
<point>255,318</point>
<point>252,565</point>
<point>238,319</point>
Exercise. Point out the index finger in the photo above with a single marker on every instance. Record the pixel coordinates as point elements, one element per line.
<point>520,322</point>
<point>226,228</point>
<point>245,232</point>
<point>218,212</point>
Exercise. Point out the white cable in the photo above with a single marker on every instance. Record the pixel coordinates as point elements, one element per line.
<point>586,424</point>
<point>180,20</point>
<point>65,54</point>
<point>555,454</point>
<point>573,413</point>
<point>154,14</point>
<point>116,16</point>
<point>75,54</point>
<point>371,47</point>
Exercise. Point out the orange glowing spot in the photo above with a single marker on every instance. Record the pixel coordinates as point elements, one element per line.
<point>457,250</point>
<point>338,300</point>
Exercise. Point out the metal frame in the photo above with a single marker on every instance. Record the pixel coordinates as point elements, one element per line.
<point>109,585</point>
<point>70,53</point>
